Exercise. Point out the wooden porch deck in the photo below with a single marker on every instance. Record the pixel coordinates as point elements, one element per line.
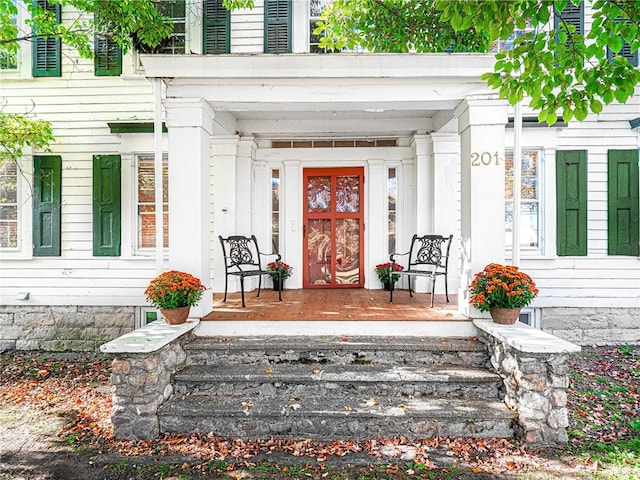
<point>351,304</point>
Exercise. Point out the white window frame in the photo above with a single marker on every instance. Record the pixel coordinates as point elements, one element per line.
<point>24,53</point>
<point>138,250</point>
<point>24,197</point>
<point>540,168</point>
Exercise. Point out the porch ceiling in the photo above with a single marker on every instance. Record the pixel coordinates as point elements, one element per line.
<point>326,95</point>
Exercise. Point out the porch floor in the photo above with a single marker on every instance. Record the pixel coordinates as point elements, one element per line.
<point>352,304</point>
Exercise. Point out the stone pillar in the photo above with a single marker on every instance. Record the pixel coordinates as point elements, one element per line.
<point>481,126</point>
<point>190,123</point>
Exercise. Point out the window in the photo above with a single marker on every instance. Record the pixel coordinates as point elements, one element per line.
<point>47,50</point>
<point>275,209</point>
<point>108,56</point>
<point>176,11</point>
<point>47,192</point>
<point>622,203</point>
<point>106,205</point>
<point>392,198</point>
<point>216,25</point>
<point>8,59</point>
<point>626,53</point>
<point>530,210</point>
<point>571,206</point>
<point>8,204</point>
<point>146,201</point>
<point>315,10</point>
<point>175,44</point>
<point>277,26</point>
<point>570,15</point>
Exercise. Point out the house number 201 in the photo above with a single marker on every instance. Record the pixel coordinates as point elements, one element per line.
<point>484,158</point>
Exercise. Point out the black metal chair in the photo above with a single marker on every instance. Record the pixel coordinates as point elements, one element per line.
<point>428,257</point>
<point>242,258</point>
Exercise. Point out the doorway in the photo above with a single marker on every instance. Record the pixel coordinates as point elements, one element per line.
<point>333,224</point>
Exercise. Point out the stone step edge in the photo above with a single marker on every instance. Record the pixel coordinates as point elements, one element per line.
<point>242,407</point>
<point>318,344</point>
<point>294,373</point>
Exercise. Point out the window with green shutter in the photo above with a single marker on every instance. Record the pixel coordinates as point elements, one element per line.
<point>277,26</point>
<point>571,197</point>
<point>622,208</point>
<point>106,205</point>
<point>625,52</point>
<point>570,15</point>
<point>47,192</point>
<point>108,56</point>
<point>47,50</point>
<point>216,28</point>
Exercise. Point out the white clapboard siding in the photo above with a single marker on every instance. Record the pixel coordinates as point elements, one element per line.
<point>246,29</point>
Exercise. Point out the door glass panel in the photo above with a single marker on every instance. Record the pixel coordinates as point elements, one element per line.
<point>319,251</point>
<point>319,194</point>
<point>347,251</point>
<point>348,194</point>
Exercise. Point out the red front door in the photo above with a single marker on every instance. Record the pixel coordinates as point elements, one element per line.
<point>333,227</point>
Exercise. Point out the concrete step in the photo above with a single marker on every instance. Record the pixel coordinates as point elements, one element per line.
<point>337,350</point>
<point>294,380</point>
<point>334,417</point>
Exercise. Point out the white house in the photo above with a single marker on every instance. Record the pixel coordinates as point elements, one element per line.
<point>253,119</point>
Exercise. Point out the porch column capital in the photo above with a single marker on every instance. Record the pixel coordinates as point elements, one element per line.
<point>188,112</point>
<point>481,110</point>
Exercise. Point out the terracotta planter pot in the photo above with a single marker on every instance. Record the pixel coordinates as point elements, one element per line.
<point>504,316</point>
<point>175,316</point>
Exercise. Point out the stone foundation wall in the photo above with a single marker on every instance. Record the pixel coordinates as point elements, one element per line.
<point>593,326</point>
<point>62,328</point>
<point>140,384</point>
<point>536,388</point>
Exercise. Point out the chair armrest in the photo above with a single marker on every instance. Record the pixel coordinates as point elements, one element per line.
<point>393,255</point>
<point>277,255</point>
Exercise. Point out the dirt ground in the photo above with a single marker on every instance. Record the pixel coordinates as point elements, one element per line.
<point>54,426</point>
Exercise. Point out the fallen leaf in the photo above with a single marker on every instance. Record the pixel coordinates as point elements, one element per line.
<point>268,371</point>
<point>371,402</point>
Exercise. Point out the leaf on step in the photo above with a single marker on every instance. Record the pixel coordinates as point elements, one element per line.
<point>371,402</point>
<point>317,371</point>
<point>347,408</point>
<point>249,405</point>
<point>402,405</point>
<point>294,406</point>
<point>268,371</point>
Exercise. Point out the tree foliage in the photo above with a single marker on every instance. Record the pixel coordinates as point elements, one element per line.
<point>20,130</point>
<point>561,71</point>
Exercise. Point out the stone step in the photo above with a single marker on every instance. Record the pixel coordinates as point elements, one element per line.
<point>293,380</point>
<point>334,417</point>
<point>337,350</point>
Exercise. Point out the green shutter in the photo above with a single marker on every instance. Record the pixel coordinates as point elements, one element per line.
<point>277,26</point>
<point>623,214</point>
<point>570,15</point>
<point>106,205</point>
<point>47,56</point>
<point>625,52</point>
<point>47,190</point>
<point>571,196</point>
<point>108,57</point>
<point>216,28</point>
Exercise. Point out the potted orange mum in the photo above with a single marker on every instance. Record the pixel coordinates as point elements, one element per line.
<point>174,293</point>
<point>502,290</point>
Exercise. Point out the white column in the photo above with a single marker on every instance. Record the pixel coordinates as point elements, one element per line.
<point>225,150</point>
<point>446,192</point>
<point>291,205</point>
<point>189,123</point>
<point>377,226</point>
<point>481,125</point>
<point>424,184</point>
